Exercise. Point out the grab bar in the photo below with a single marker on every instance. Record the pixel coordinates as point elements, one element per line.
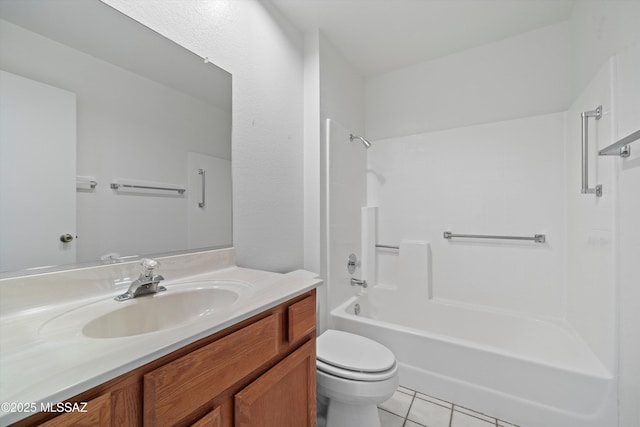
<point>538,238</point>
<point>584,116</point>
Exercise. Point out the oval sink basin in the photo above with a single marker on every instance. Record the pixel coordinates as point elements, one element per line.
<point>160,311</point>
<point>180,304</point>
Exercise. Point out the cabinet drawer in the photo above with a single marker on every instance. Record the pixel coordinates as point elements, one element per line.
<point>301,318</point>
<point>178,388</point>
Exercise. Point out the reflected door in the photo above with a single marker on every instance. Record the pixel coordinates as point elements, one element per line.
<point>37,174</point>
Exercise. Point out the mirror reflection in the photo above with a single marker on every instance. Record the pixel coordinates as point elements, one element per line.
<point>114,141</point>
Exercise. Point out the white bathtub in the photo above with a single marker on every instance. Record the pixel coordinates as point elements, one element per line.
<point>532,372</point>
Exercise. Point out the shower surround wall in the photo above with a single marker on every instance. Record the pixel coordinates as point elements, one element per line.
<point>498,168</point>
<point>591,305</point>
<point>501,178</point>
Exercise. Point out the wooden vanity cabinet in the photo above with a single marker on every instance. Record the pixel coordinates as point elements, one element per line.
<point>281,396</point>
<point>258,373</point>
<point>98,414</point>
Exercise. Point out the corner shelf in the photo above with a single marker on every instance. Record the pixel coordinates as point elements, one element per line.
<point>621,148</point>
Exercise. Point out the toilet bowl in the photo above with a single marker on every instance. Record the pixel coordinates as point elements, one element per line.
<point>354,374</point>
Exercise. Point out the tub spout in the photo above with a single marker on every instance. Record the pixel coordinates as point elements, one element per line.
<point>358,282</point>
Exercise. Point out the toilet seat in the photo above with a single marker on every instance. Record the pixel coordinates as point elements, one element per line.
<point>354,357</point>
<point>355,375</point>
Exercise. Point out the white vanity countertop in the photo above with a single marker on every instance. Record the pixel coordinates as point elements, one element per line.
<point>37,367</point>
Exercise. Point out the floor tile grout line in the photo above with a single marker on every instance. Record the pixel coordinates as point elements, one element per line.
<point>413,398</point>
<point>407,391</point>
<point>452,408</point>
<point>474,411</point>
<point>391,413</point>
<point>495,420</point>
<point>449,406</point>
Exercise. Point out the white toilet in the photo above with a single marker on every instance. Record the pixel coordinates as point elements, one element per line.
<point>354,375</point>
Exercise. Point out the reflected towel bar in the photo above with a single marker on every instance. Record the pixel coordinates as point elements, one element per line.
<point>388,247</point>
<point>116,186</point>
<point>538,238</point>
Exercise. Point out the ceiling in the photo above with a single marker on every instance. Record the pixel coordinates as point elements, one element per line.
<point>377,36</point>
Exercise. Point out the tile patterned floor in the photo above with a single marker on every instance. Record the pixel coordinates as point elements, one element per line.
<point>407,408</point>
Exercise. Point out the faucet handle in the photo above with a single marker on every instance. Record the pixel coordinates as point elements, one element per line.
<point>148,265</point>
<point>358,282</point>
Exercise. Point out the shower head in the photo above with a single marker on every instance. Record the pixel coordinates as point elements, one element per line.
<point>366,143</point>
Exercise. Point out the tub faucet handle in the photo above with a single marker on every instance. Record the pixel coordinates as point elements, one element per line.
<point>358,282</point>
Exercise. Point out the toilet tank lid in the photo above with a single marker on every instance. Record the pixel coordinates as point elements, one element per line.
<point>353,352</point>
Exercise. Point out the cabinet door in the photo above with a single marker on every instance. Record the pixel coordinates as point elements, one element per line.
<point>285,396</point>
<point>212,419</point>
<point>98,413</point>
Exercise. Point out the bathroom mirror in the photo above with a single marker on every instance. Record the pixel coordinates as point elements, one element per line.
<point>116,142</point>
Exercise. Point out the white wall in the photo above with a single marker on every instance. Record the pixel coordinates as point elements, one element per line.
<point>314,217</point>
<point>517,77</point>
<point>598,30</point>
<point>263,52</point>
<point>342,89</point>
<point>500,178</point>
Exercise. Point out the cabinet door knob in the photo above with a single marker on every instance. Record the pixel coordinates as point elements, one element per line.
<point>66,238</point>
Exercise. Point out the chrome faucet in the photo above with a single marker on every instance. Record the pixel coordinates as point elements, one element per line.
<point>358,282</point>
<point>146,283</point>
